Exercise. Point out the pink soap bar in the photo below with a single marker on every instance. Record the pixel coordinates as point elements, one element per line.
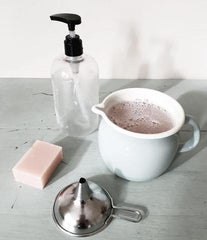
<point>37,164</point>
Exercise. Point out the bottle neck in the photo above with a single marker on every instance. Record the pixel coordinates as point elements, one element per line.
<point>76,59</point>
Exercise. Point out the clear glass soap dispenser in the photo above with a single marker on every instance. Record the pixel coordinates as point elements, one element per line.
<point>75,83</point>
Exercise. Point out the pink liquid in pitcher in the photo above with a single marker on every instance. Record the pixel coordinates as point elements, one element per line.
<point>140,117</point>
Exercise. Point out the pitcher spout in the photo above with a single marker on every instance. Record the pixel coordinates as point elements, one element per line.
<point>99,109</point>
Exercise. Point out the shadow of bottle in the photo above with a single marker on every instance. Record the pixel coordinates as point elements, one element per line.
<point>157,70</point>
<point>73,150</point>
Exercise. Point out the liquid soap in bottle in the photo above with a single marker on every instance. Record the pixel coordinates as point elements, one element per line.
<point>75,83</point>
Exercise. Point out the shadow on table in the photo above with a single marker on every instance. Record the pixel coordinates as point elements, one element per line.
<point>73,151</point>
<point>194,103</point>
<point>117,188</point>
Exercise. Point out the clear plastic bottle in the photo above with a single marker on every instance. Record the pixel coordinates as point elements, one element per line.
<point>76,90</point>
<point>75,83</point>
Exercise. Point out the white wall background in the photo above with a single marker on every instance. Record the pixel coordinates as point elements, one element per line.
<point>128,38</point>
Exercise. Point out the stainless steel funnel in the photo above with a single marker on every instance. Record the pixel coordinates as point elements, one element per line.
<point>84,208</point>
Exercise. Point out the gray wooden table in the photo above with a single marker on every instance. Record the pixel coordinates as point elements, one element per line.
<point>175,203</point>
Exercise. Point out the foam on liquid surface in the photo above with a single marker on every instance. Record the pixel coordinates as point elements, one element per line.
<point>140,117</point>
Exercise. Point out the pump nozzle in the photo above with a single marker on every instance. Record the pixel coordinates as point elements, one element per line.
<point>73,44</point>
<point>69,18</point>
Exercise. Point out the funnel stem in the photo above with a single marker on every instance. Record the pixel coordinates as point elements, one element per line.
<point>83,192</point>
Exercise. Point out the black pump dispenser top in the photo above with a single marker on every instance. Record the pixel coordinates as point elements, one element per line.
<point>73,43</point>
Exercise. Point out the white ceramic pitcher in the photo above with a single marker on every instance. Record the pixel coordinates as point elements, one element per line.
<point>138,156</point>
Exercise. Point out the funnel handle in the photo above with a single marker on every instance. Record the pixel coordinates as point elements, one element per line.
<point>129,214</point>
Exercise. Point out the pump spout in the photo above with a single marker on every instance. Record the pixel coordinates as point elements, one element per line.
<point>69,18</point>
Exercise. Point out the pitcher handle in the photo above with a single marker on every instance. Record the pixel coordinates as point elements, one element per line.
<point>194,140</point>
